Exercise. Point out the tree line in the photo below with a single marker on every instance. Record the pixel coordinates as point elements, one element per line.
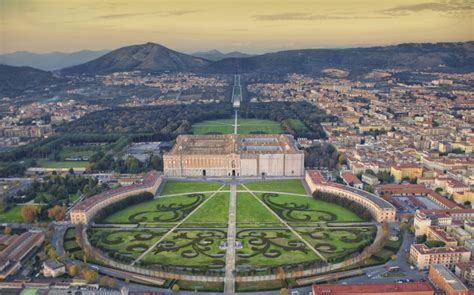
<point>355,207</point>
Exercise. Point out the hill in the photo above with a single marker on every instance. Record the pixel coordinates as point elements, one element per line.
<point>49,61</point>
<point>215,55</point>
<point>457,57</point>
<point>150,57</point>
<point>15,80</point>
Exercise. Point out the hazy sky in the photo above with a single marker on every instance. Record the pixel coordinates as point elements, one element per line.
<point>245,25</point>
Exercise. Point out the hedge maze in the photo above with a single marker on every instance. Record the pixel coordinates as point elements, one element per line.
<point>172,212</point>
<point>293,212</point>
<point>271,247</point>
<point>336,244</point>
<point>198,244</point>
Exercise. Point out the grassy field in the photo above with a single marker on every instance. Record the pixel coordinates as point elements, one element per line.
<point>130,243</point>
<point>246,126</point>
<point>337,239</point>
<point>270,248</point>
<point>62,164</point>
<point>190,248</point>
<point>12,215</point>
<point>178,187</point>
<point>216,211</point>
<point>163,209</point>
<point>284,186</point>
<point>313,209</point>
<point>297,125</point>
<point>250,213</point>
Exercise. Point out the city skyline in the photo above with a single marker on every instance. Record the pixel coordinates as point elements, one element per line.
<point>46,26</point>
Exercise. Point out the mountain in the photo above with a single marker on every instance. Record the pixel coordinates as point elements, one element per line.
<point>216,55</point>
<point>15,80</point>
<point>49,61</point>
<point>145,57</point>
<point>440,56</point>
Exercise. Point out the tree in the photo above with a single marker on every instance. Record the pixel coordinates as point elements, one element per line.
<point>90,275</point>
<point>57,213</point>
<point>52,253</point>
<point>107,281</point>
<point>29,213</point>
<point>72,270</point>
<point>8,231</point>
<point>175,288</point>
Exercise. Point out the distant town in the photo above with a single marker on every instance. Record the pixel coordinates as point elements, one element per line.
<point>166,181</point>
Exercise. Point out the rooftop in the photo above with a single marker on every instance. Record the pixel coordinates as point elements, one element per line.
<point>423,249</point>
<point>222,144</point>
<point>379,288</point>
<point>148,181</point>
<point>448,277</point>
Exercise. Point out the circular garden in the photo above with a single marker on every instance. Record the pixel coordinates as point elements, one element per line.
<point>184,230</point>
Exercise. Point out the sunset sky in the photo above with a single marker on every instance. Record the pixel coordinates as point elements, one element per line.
<point>253,26</point>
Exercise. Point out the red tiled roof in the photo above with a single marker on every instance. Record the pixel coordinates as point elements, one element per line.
<point>423,249</point>
<point>415,189</point>
<point>379,288</point>
<point>350,178</point>
<point>148,181</point>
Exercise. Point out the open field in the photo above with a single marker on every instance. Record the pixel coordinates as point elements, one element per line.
<point>250,213</point>
<point>173,187</point>
<point>284,186</point>
<point>214,211</point>
<point>246,126</point>
<point>12,215</point>
<point>297,125</point>
<point>62,164</point>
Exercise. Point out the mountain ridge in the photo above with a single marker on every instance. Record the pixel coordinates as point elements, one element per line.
<point>49,61</point>
<point>145,57</point>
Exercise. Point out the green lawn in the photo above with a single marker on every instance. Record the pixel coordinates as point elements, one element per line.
<point>263,248</point>
<point>128,243</point>
<point>297,125</point>
<point>307,209</point>
<point>62,164</point>
<point>246,126</point>
<point>173,187</point>
<point>12,215</point>
<point>161,210</point>
<point>284,186</point>
<point>251,213</point>
<point>216,210</point>
<point>341,241</point>
<point>197,248</point>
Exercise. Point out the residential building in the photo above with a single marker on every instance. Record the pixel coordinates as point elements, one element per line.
<point>442,278</point>
<point>423,256</point>
<point>401,171</point>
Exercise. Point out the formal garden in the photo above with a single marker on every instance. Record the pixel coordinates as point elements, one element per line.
<point>184,230</point>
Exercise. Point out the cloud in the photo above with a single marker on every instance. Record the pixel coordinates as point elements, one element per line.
<point>446,7</point>
<point>306,16</point>
<point>162,13</point>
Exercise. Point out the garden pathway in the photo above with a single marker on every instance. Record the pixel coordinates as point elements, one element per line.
<point>229,283</point>
<point>175,227</point>
<point>287,225</point>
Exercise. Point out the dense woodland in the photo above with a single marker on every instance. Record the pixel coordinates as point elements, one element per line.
<point>166,122</point>
<point>56,189</point>
<point>113,129</point>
